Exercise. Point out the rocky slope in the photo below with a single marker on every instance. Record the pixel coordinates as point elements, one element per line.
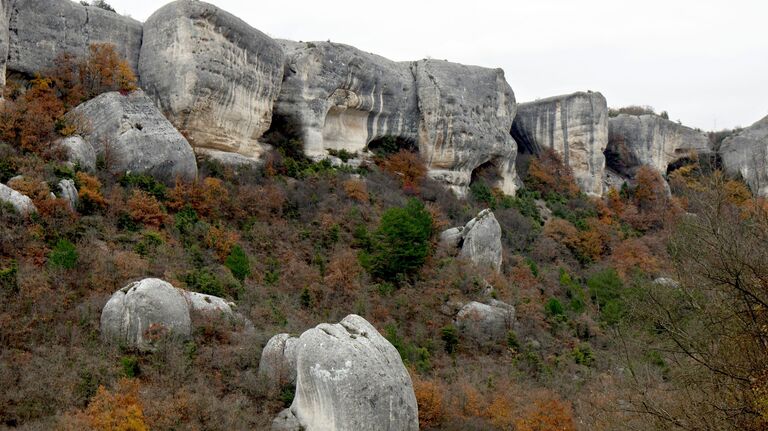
<point>575,126</point>
<point>746,155</point>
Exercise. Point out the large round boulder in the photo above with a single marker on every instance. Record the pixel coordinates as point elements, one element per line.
<point>485,323</point>
<point>142,311</point>
<point>278,360</point>
<point>21,203</point>
<point>349,378</point>
<point>213,75</point>
<point>131,134</point>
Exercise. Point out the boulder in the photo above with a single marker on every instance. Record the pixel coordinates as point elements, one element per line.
<point>451,238</point>
<point>145,310</point>
<point>41,30</point>
<point>214,76</point>
<point>485,323</point>
<point>637,140</point>
<point>142,310</point>
<point>465,115</point>
<point>573,125</point>
<point>133,136</point>
<point>68,191</point>
<point>746,155</point>
<point>5,38</point>
<point>349,378</point>
<point>336,97</point>
<point>481,241</point>
<point>21,203</point>
<point>80,152</point>
<point>278,360</point>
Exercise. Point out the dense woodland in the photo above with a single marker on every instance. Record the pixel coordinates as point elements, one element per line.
<point>600,343</point>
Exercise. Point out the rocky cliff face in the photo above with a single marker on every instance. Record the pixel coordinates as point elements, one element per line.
<point>5,37</point>
<point>636,140</point>
<point>41,30</point>
<point>466,113</point>
<point>214,76</point>
<point>746,155</point>
<point>575,126</point>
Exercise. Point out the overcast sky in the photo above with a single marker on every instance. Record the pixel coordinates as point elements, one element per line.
<point>703,61</point>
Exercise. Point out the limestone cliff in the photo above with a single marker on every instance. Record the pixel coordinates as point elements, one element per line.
<point>746,155</point>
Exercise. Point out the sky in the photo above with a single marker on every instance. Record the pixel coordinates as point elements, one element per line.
<point>705,62</point>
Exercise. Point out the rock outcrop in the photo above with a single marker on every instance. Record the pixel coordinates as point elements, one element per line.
<point>5,38</point>
<point>41,30</point>
<point>143,311</point>
<point>479,240</point>
<point>349,378</point>
<point>80,152</point>
<point>21,203</point>
<point>746,155</point>
<point>575,126</point>
<point>466,114</point>
<point>214,76</point>
<point>133,136</point>
<point>338,97</point>
<point>68,192</point>
<point>637,140</point>
<point>278,360</point>
<point>485,323</point>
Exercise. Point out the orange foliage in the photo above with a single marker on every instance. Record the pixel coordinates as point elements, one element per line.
<point>37,190</point>
<point>547,415</point>
<point>89,190</point>
<point>344,271</point>
<point>207,198</point>
<point>221,240</point>
<point>429,396</point>
<point>105,70</point>
<point>146,209</point>
<point>562,231</point>
<point>407,166</point>
<point>548,173</point>
<point>633,254</point>
<point>120,410</point>
<point>650,192</point>
<point>31,120</point>
<point>356,189</point>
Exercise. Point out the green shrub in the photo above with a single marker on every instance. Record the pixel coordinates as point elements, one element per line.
<point>130,366</point>
<point>450,336</point>
<point>203,281</point>
<point>63,255</point>
<point>306,298</point>
<point>9,282</point>
<point>185,219</point>
<point>410,353</point>
<point>512,341</point>
<point>144,182</point>
<point>149,243</point>
<point>606,289</point>
<point>238,263</point>
<point>583,355</point>
<point>401,243</point>
<point>554,308</point>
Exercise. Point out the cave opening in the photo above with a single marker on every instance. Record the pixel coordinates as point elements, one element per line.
<point>387,145</point>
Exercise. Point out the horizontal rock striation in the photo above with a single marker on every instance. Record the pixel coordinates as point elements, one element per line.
<point>214,76</point>
<point>575,126</point>
<point>746,155</point>
<point>41,30</point>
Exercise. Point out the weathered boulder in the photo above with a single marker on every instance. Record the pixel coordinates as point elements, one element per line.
<point>202,303</point>
<point>214,76</point>
<point>482,241</point>
<point>485,323</point>
<point>5,38</point>
<point>68,191</point>
<point>336,97</point>
<point>452,237</point>
<point>21,203</point>
<point>637,140</point>
<point>41,30</point>
<point>144,309</point>
<point>278,360</point>
<point>133,136</point>
<point>575,126</point>
<point>466,114</point>
<point>80,152</point>
<point>226,159</point>
<point>746,155</point>
<point>349,378</point>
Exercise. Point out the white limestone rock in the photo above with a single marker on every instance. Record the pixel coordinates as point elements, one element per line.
<point>41,30</point>
<point>746,155</point>
<point>213,75</point>
<point>80,152</point>
<point>21,203</point>
<point>133,136</point>
<point>278,360</point>
<point>68,191</point>
<point>485,323</point>
<point>349,378</point>
<point>573,125</point>
<point>481,241</point>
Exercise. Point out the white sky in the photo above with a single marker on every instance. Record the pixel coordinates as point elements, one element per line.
<point>703,61</point>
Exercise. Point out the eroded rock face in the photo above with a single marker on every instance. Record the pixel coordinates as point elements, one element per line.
<point>338,97</point>
<point>278,360</point>
<point>637,140</point>
<point>214,76</point>
<point>145,308</point>
<point>746,155</point>
<point>68,191</point>
<point>133,136</point>
<point>80,152</point>
<point>482,241</point>
<point>5,37</point>
<point>21,203</point>
<point>575,126</point>
<point>466,114</point>
<point>349,378</point>
<point>41,30</point>
<point>485,323</point>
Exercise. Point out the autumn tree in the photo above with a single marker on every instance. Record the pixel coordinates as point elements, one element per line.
<point>547,173</point>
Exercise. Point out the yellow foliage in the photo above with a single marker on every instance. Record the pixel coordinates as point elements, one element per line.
<point>429,396</point>
<point>120,410</point>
